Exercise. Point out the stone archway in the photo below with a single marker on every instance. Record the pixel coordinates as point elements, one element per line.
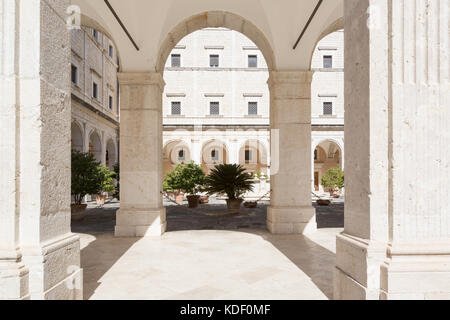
<point>214,152</point>
<point>291,208</point>
<point>77,137</point>
<point>111,154</point>
<point>95,146</point>
<point>174,153</point>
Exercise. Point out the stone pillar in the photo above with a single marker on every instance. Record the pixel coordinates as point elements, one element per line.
<point>234,151</point>
<point>196,151</point>
<point>36,176</point>
<point>397,236</point>
<point>141,212</point>
<point>13,273</point>
<point>291,210</point>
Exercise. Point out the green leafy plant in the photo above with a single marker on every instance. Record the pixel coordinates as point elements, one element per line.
<point>86,176</point>
<point>188,178</point>
<point>230,180</point>
<point>107,179</point>
<point>116,176</point>
<point>333,179</point>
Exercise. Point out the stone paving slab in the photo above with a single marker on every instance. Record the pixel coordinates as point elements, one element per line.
<point>212,216</point>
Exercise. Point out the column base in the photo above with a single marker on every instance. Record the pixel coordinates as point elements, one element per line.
<point>55,272</point>
<point>13,277</point>
<point>417,271</point>
<point>141,223</point>
<point>291,220</point>
<point>357,272</point>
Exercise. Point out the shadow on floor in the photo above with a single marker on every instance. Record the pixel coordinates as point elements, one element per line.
<point>96,230</point>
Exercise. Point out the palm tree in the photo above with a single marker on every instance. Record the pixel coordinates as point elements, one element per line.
<point>230,180</point>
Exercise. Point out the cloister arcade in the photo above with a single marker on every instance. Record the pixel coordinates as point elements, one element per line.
<point>394,245</point>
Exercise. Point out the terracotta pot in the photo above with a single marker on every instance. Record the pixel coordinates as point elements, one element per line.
<point>78,211</point>
<point>179,198</point>
<point>193,201</point>
<point>251,204</point>
<point>100,199</point>
<point>204,200</point>
<point>323,203</point>
<point>234,205</point>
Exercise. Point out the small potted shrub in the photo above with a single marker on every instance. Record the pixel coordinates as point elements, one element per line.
<point>188,179</point>
<point>107,184</point>
<point>85,180</point>
<point>230,180</point>
<point>333,180</point>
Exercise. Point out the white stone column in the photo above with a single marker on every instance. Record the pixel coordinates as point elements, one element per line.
<point>196,151</point>
<point>35,219</point>
<point>234,151</point>
<point>13,273</point>
<point>291,210</point>
<point>396,243</point>
<point>141,211</point>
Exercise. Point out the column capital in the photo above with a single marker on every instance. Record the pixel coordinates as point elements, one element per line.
<point>141,78</point>
<point>290,77</point>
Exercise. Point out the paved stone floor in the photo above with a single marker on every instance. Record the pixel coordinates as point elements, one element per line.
<point>208,255</point>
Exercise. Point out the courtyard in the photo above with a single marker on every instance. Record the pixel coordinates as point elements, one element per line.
<point>207,254</point>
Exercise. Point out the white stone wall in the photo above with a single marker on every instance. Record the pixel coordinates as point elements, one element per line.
<point>195,84</point>
<point>90,115</point>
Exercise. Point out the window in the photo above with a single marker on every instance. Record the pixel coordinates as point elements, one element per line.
<point>110,102</point>
<point>111,51</point>
<point>316,155</point>
<point>327,108</point>
<point>176,61</point>
<point>248,156</point>
<point>253,108</point>
<point>181,155</point>
<point>94,90</point>
<point>253,61</point>
<point>176,108</point>
<point>95,34</point>
<point>328,62</point>
<point>214,61</point>
<point>215,155</point>
<point>214,108</point>
<point>74,74</point>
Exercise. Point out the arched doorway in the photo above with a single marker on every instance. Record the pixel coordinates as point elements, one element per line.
<point>327,155</point>
<point>95,146</point>
<point>214,153</point>
<point>77,137</point>
<point>111,154</point>
<point>175,153</point>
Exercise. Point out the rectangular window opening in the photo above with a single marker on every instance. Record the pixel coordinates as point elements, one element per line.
<point>74,74</point>
<point>176,61</point>
<point>327,108</point>
<point>214,61</point>
<point>214,109</point>
<point>253,61</point>
<point>176,108</point>
<point>253,108</point>
<point>95,90</point>
<point>328,62</point>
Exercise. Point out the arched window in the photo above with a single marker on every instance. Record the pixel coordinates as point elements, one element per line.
<point>181,155</point>
<point>215,155</point>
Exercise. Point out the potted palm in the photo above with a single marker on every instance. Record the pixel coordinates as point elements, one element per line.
<point>187,179</point>
<point>230,180</point>
<point>85,180</point>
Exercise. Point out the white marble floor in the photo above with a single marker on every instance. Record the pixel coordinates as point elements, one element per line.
<point>202,265</point>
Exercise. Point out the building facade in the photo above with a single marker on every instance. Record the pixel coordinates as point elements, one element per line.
<point>216,103</point>
<point>95,95</point>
